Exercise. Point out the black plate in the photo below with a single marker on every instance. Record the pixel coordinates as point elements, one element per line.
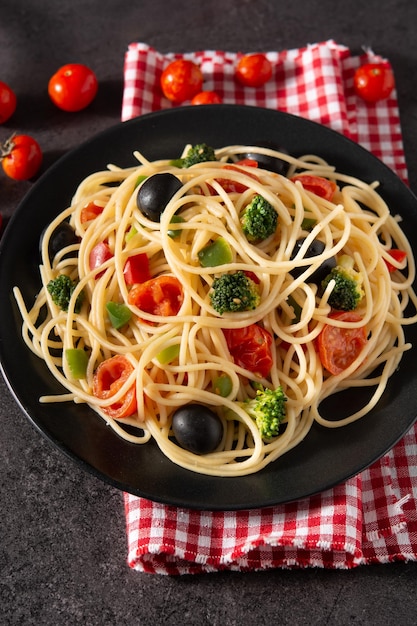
<point>327,456</point>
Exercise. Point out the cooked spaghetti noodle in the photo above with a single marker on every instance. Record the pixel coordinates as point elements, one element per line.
<point>355,222</point>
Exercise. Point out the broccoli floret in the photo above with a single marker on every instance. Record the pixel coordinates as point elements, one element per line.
<point>234,292</point>
<point>258,219</point>
<point>61,289</point>
<point>347,291</point>
<point>267,408</point>
<point>198,154</point>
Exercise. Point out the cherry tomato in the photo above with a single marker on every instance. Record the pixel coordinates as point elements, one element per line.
<point>108,379</point>
<point>21,157</point>
<point>7,102</point>
<point>159,296</point>
<point>398,255</point>
<point>374,81</point>
<point>231,186</point>
<point>136,269</point>
<point>250,347</point>
<point>253,70</point>
<point>181,80</point>
<point>90,212</point>
<point>99,255</point>
<point>339,347</point>
<point>206,97</point>
<point>318,185</point>
<point>73,87</point>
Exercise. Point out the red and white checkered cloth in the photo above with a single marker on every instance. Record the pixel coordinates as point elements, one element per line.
<point>371,518</point>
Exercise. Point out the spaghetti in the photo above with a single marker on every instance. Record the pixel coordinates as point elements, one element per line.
<point>176,356</point>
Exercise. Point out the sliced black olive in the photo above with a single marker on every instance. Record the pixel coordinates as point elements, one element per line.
<point>270,163</point>
<point>315,249</point>
<point>155,193</point>
<point>197,428</point>
<point>63,236</point>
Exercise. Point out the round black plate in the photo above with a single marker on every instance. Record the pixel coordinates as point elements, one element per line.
<point>327,456</point>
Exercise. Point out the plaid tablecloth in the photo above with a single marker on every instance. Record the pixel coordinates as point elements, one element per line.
<point>372,517</point>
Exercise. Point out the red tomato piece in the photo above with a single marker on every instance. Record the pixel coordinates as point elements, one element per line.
<point>21,157</point>
<point>339,347</point>
<point>73,87</point>
<point>136,269</point>
<point>7,102</point>
<point>253,70</point>
<point>231,186</point>
<point>398,255</point>
<point>318,185</point>
<point>206,97</point>
<point>90,212</point>
<point>162,295</point>
<point>99,255</point>
<point>109,377</point>
<point>181,80</point>
<point>250,347</point>
<point>374,81</point>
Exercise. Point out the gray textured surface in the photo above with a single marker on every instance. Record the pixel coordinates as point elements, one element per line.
<point>62,535</point>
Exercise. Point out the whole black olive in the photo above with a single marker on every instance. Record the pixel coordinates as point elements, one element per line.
<point>270,163</point>
<point>155,193</point>
<point>63,236</point>
<point>197,428</point>
<point>315,249</point>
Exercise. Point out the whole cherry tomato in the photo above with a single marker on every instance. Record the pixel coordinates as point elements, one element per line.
<point>374,81</point>
<point>253,70</point>
<point>7,102</point>
<point>181,80</point>
<point>338,347</point>
<point>21,157</point>
<point>73,87</point>
<point>206,97</point>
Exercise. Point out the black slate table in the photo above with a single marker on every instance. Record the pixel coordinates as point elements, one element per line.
<point>62,533</point>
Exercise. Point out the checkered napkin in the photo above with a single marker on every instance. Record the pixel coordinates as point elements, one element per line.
<point>372,517</point>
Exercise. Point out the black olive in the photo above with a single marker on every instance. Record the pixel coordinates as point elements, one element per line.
<point>197,428</point>
<point>155,193</point>
<point>315,249</point>
<point>63,236</point>
<point>270,163</point>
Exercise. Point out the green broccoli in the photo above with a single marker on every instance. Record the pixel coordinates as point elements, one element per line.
<point>347,291</point>
<point>61,289</point>
<point>258,219</point>
<point>267,408</point>
<point>234,292</point>
<point>198,154</point>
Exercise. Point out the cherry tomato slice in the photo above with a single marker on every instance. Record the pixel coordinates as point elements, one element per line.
<point>318,185</point>
<point>108,379</point>
<point>73,87</point>
<point>21,157</point>
<point>181,80</point>
<point>162,295</point>
<point>250,347</point>
<point>7,102</point>
<point>253,70</point>
<point>374,81</point>
<point>398,255</point>
<point>206,97</point>
<point>90,212</point>
<point>231,186</point>
<point>339,347</point>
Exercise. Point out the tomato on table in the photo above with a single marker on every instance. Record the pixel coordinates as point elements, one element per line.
<point>181,80</point>
<point>374,81</point>
<point>109,377</point>
<point>206,97</point>
<point>253,70</point>
<point>162,295</point>
<point>21,157</point>
<point>338,347</point>
<point>73,87</point>
<point>8,102</point>
<point>318,185</point>
<point>250,347</point>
